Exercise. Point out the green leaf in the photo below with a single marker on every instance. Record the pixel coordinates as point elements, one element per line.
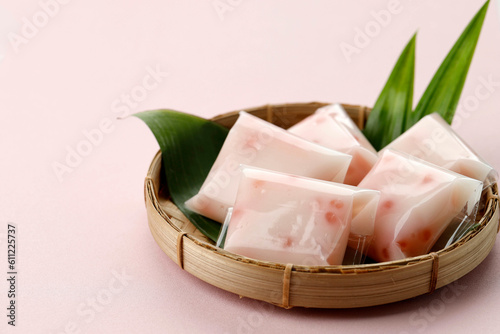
<point>387,118</point>
<point>444,90</point>
<point>189,147</point>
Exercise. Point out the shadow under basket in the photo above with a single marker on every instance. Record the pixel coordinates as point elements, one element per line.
<point>288,285</point>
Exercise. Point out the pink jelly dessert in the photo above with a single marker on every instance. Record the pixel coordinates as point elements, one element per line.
<point>290,219</point>
<point>418,200</point>
<point>331,127</point>
<point>433,140</point>
<point>255,142</point>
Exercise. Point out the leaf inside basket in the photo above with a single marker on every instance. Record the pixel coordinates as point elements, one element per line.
<point>189,146</point>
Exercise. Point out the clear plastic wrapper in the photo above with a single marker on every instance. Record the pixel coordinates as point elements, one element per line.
<point>291,219</point>
<point>221,240</point>
<point>336,111</point>
<point>258,143</point>
<point>331,127</point>
<point>418,202</point>
<point>433,140</point>
<point>364,212</point>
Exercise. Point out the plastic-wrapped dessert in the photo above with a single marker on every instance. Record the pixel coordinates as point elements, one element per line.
<point>331,127</point>
<point>433,140</point>
<point>255,142</point>
<point>418,201</point>
<point>336,111</point>
<point>291,219</point>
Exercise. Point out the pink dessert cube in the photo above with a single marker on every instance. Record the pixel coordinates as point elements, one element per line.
<point>433,140</point>
<point>255,142</point>
<point>331,127</point>
<point>290,219</point>
<point>418,200</point>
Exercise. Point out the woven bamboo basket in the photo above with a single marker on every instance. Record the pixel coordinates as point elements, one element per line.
<point>288,285</point>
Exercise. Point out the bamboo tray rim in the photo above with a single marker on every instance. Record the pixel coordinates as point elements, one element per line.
<point>152,197</point>
<point>341,269</point>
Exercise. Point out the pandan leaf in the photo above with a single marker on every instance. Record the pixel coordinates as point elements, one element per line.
<point>443,93</point>
<point>189,147</point>
<point>387,118</point>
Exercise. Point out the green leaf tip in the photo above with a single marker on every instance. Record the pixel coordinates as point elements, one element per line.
<point>388,116</point>
<point>189,146</point>
<point>392,113</point>
<point>444,90</point>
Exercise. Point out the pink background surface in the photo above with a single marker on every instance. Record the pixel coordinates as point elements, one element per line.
<point>78,232</point>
